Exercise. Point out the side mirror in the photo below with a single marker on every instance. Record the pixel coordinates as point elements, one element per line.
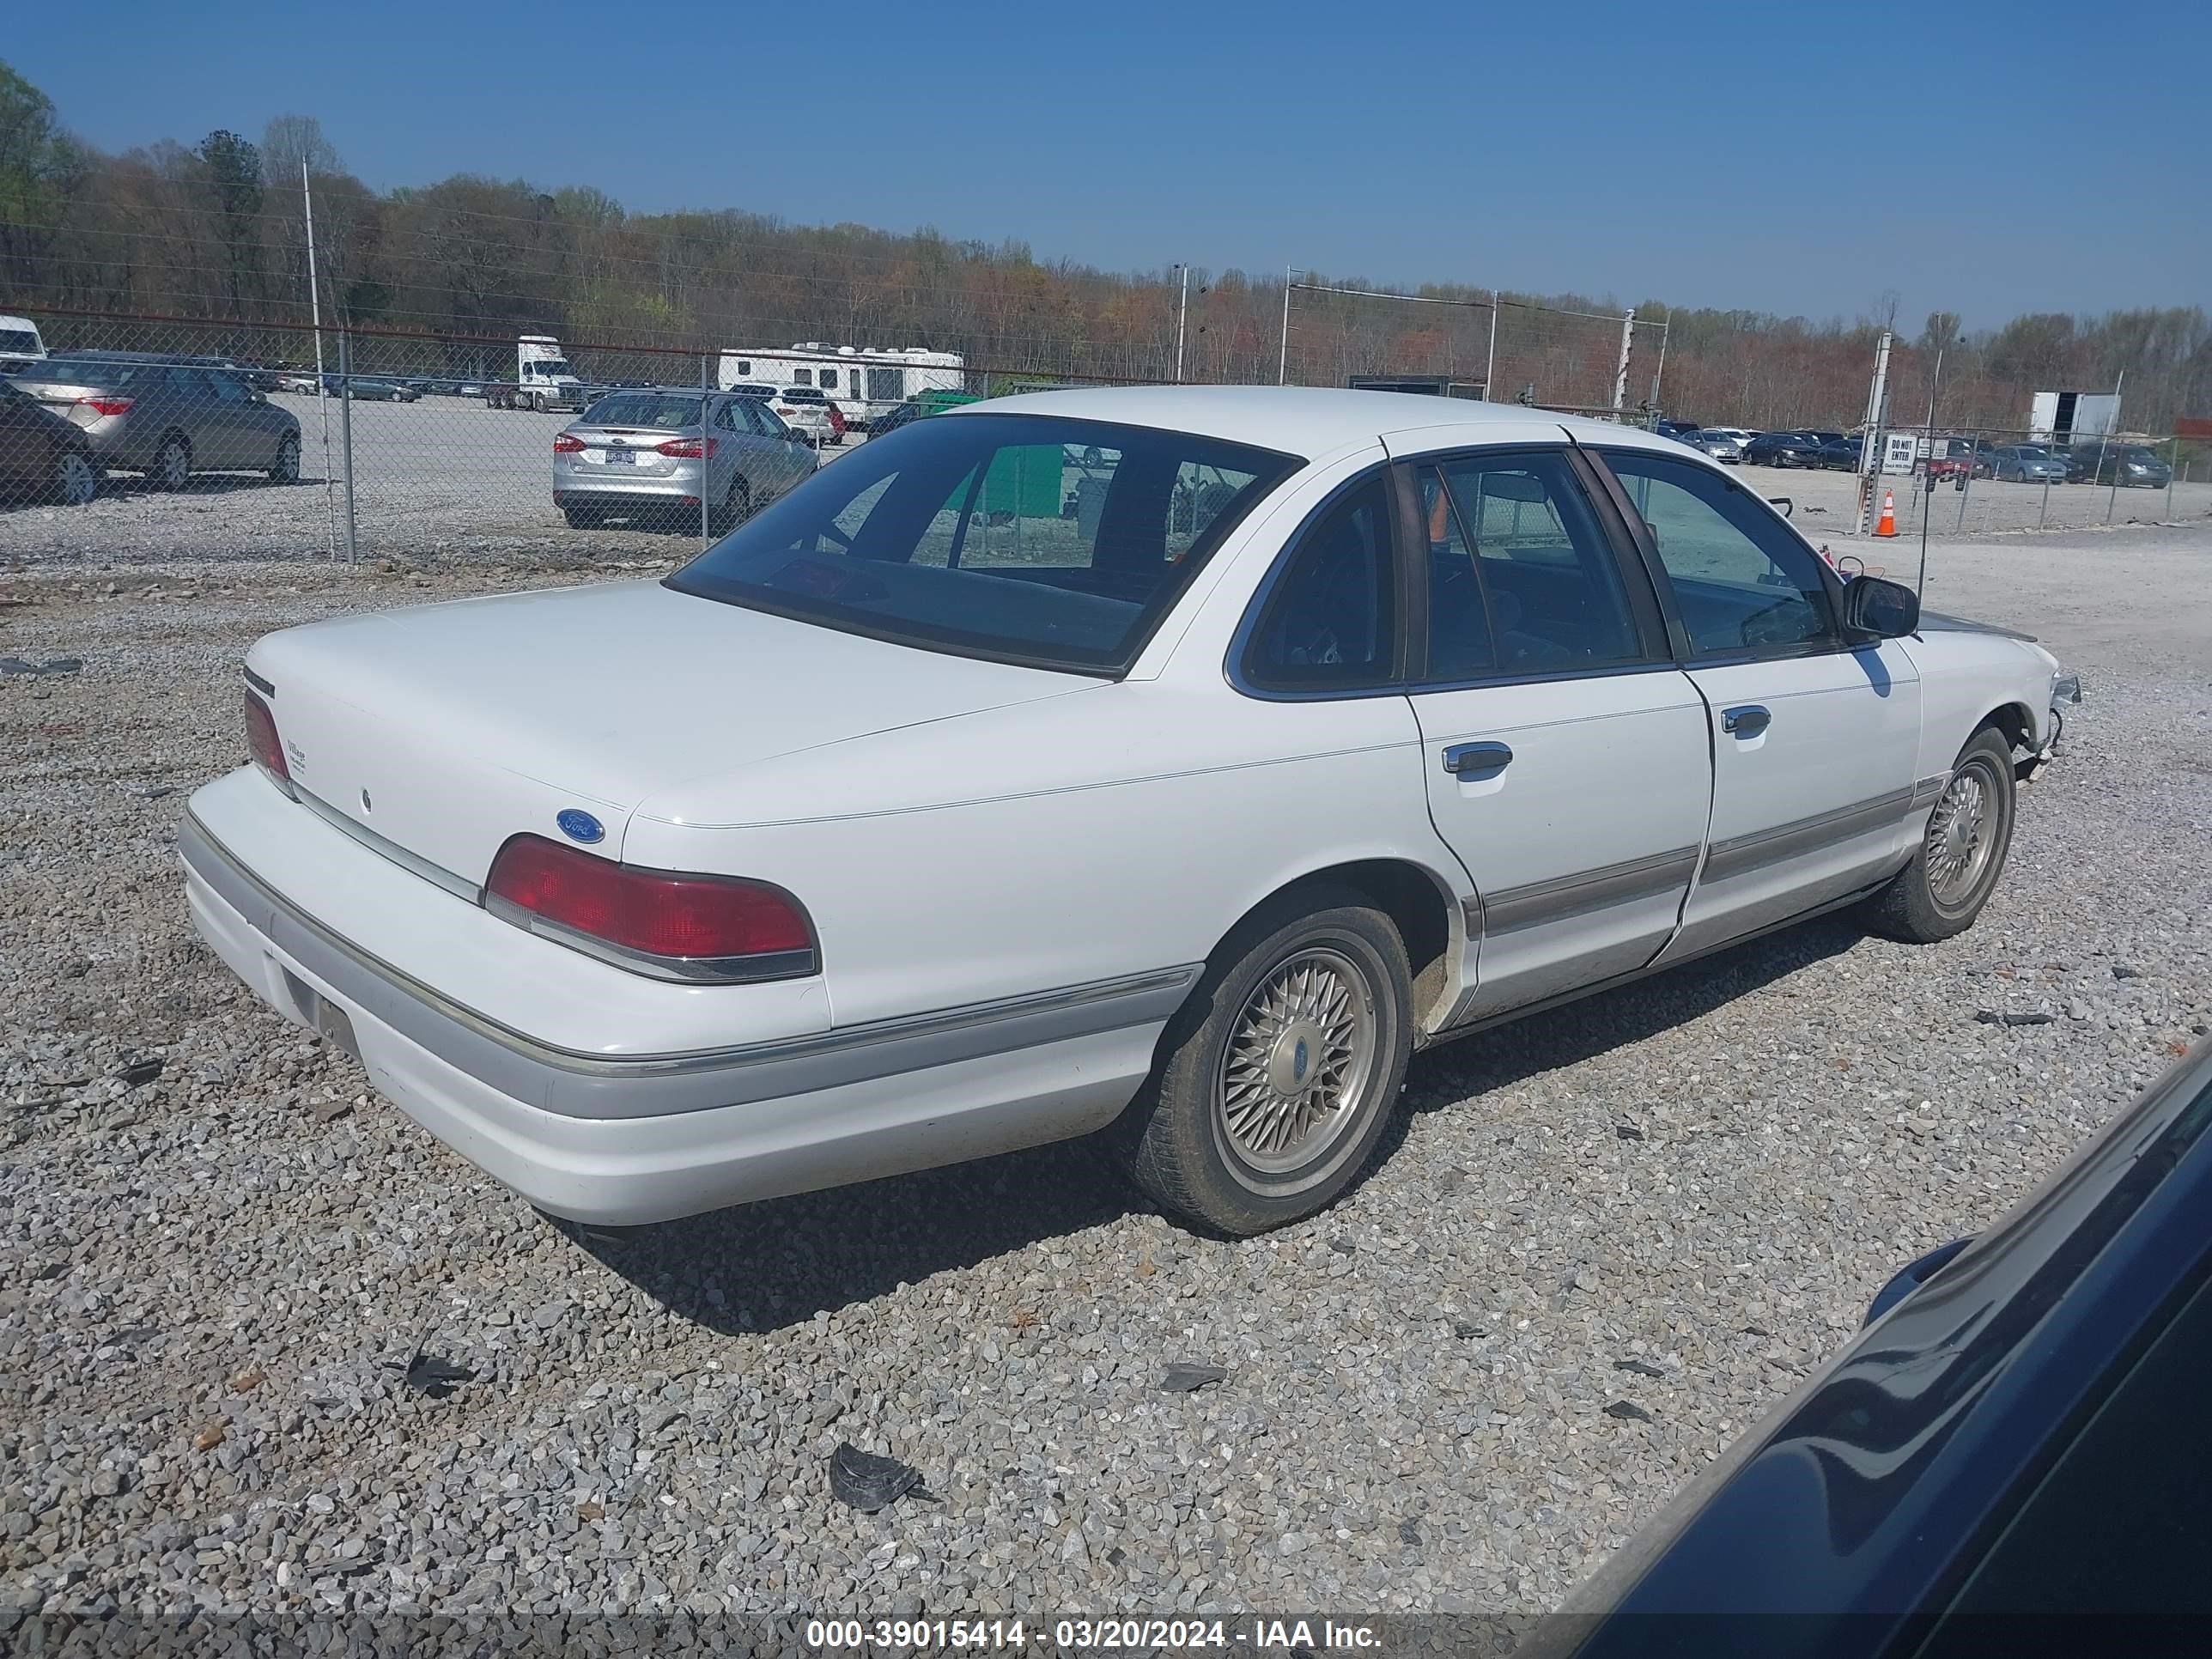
<point>1875,608</point>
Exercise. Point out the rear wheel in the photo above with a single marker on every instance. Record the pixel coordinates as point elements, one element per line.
<point>1961,853</point>
<point>581,518</point>
<point>737,506</point>
<point>172,462</point>
<point>1278,1075</point>
<point>76,479</point>
<point>285,468</point>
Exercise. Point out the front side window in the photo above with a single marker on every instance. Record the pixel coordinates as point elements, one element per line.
<point>1521,575</point>
<point>969,534</point>
<point>1329,622</point>
<point>1742,580</point>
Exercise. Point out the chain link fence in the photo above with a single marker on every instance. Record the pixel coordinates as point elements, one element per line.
<point>1472,342</point>
<point>1980,482</point>
<point>227,439</point>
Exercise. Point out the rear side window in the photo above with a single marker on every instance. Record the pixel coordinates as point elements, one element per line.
<point>1330,621</point>
<point>1522,555</point>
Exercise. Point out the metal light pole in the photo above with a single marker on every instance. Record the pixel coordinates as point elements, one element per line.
<point>322,398</point>
<point>1490,363</point>
<point>1283,353</point>
<point>1182,311</point>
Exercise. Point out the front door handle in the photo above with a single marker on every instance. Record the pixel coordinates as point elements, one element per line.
<point>1464,759</point>
<point>1747,720</point>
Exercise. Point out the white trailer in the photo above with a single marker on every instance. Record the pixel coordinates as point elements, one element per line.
<point>863,381</point>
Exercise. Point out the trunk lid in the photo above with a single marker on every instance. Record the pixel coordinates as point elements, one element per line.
<point>447,728</point>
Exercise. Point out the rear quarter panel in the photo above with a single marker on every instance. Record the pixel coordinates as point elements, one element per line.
<point>1122,829</point>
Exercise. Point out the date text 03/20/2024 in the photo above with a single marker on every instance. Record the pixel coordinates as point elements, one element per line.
<point>1103,1634</point>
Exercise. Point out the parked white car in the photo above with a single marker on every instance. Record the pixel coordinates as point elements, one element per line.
<point>1166,762</point>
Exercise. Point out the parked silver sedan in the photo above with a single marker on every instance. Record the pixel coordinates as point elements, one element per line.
<point>647,453</point>
<point>1721,446</point>
<point>166,418</point>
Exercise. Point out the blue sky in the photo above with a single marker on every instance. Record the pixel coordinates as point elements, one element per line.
<point>1986,159</point>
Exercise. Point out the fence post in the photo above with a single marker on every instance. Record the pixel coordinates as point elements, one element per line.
<point>705,467</point>
<point>346,437</point>
<point>2172,467</point>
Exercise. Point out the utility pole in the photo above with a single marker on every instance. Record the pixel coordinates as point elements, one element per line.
<point>1283,354</point>
<point>1621,375</point>
<point>1182,309</point>
<point>1870,441</point>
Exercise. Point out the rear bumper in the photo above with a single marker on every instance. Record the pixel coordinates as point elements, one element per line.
<point>635,1140</point>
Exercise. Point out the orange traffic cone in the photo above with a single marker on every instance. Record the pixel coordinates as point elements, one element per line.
<point>1887,525</point>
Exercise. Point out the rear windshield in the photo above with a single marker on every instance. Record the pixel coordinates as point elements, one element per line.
<point>80,371</point>
<point>802,394</point>
<point>643,409</point>
<point>1057,543</point>
<point>18,339</point>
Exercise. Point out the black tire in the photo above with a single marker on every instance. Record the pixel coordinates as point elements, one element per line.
<point>582,518</point>
<point>737,506</point>
<point>1918,906</point>
<point>1176,1140</point>
<point>285,468</point>
<point>168,473</point>
<point>75,478</point>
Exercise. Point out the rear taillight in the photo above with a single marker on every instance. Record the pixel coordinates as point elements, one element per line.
<point>106,405</point>
<point>685,449</point>
<point>262,741</point>
<point>567,444</point>
<point>656,921</point>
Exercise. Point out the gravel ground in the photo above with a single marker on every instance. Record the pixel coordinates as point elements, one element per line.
<point>1608,1239</point>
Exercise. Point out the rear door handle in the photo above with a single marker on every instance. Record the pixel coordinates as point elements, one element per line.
<point>1461,759</point>
<point>1746,720</point>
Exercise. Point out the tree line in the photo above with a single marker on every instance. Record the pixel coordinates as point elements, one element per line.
<point>218,231</point>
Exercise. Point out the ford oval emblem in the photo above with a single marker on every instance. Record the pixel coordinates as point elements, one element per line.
<point>580,825</point>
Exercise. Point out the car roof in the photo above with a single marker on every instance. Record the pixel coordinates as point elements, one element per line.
<point>1310,421</point>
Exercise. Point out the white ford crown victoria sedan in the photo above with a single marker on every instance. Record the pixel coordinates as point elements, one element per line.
<point>1171,762</point>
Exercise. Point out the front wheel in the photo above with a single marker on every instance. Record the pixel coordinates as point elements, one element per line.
<point>1961,853</point>
<point>1278,1076</point>
<point>285,468</point>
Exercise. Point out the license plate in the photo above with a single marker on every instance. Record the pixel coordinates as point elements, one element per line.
<point>621,458</point>
<point>331,1022</point>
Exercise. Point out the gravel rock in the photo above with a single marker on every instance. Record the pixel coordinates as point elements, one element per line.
<point>1424,1413</point>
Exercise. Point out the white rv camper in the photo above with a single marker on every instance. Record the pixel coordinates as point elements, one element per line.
<point>863,382</point>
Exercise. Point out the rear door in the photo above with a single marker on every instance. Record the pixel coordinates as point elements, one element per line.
<point>1566,754</point>
<point>1813,743</point>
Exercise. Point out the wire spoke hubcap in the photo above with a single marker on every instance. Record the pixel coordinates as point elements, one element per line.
<point>1958,842</point>
<point>1298,1061</point>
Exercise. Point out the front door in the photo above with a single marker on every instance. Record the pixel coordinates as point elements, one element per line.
<point>1566,754</point>
<point>1813,743</point>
